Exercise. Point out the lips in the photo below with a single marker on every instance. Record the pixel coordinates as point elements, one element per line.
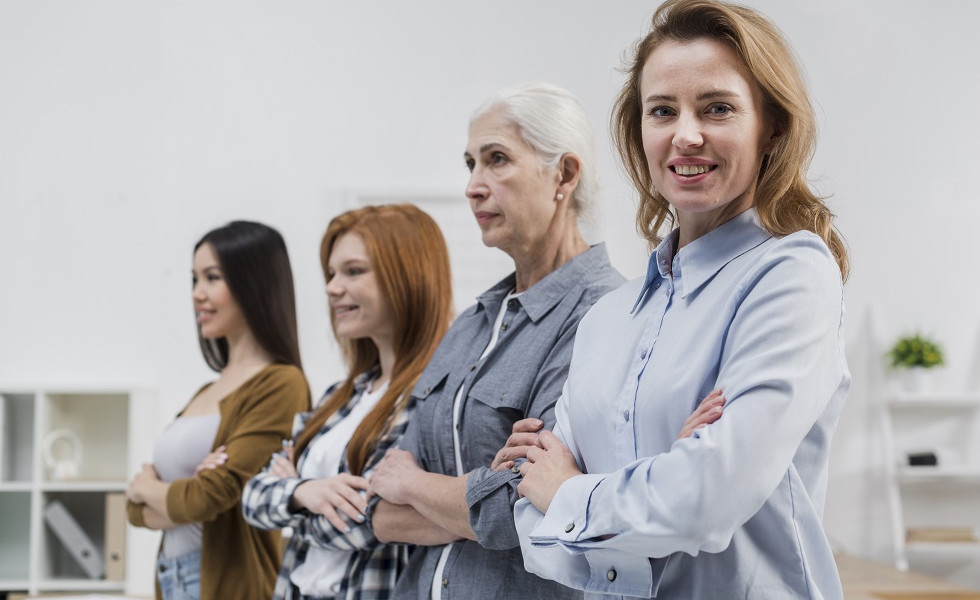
<point>340,311</point>
<point>204,315</point>
<point>484,216</point>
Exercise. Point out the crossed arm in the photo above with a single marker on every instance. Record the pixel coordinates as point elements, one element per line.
<point>428,509</point>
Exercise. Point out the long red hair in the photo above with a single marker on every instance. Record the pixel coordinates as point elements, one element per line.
<point>411,262</point>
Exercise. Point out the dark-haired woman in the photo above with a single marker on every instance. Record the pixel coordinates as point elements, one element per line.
<point>245,308</point>
<point>388,284</point>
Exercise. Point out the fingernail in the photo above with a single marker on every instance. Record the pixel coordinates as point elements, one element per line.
<point>346,529</point>
<point>360,518</point>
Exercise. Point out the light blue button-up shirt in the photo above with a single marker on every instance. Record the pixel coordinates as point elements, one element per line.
<point>735,510</point>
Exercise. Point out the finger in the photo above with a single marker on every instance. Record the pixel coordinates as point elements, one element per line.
<point>522,439</point>
<point>533,455</point>
<point>529,425</point>
<point>353,498</point>
<point>512,454</point>
<point>354,511</point>
<point>355,481</point>
<point>334,518</point>
<point>504,466</point>
<point>550,441</point>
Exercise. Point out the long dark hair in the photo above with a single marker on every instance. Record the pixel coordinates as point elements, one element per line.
<point>411,262</point>
<point>255,266</point>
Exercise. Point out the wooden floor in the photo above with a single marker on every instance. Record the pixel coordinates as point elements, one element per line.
<point>867,580</point>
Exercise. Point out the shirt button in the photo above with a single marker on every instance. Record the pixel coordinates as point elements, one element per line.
<point>656,285</point>
<point>445,582</point>
<point>503,327</point>
<point>515,469</point>
<point>626,415</point>
<point>472,367</point>
<point>643,354</point>
<point>512,303</point>
<point>611,575</point>
<point>569,527</point>
<point>426,391</point>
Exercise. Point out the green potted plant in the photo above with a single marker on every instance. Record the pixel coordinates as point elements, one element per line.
<point>914,355</point>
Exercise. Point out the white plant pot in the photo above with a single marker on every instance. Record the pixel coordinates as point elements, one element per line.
<point>916,379</point>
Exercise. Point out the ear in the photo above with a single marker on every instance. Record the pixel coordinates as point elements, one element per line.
<point>569,170</point>
<point>777,130</point>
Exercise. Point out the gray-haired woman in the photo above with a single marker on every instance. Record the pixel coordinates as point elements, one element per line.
<point>532,163</point>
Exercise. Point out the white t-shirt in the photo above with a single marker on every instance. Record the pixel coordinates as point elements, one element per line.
<point>321,572</point>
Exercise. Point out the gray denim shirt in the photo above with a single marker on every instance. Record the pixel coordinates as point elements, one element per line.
<point>521,377</point>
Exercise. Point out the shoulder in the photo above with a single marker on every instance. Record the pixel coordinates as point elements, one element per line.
<point>616,302</point>
<point>801,257</point>
<point>282,382</point>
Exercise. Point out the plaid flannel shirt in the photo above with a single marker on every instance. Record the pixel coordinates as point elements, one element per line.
<point>373,567</point>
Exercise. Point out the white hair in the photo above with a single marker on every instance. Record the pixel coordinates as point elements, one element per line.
<point>553,123</point>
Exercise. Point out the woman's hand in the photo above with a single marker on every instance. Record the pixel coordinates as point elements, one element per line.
<point>546,469</point>
<point>707,412</point>
<point>331,496</point>
<point>282,464</point>
<point>213,460</point>
<point>524,436</point>
<point>392,478</point>
<point>139,487</point>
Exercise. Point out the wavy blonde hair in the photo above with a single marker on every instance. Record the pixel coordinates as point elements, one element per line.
<point>784,200</point>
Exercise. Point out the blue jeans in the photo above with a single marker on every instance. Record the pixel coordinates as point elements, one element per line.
<point>180,576</point>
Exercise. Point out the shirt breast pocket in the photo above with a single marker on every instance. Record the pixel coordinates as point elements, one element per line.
<point>504,392</point>
<point>430,384</point>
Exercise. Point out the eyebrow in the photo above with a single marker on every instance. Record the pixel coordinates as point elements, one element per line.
<point>486,148</point>
<point>712,95</point>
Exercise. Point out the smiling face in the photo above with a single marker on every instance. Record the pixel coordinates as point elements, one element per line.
<point>704,132</point>
<point>358,306</point>
<point>218,314</point>
<point>512,194</point>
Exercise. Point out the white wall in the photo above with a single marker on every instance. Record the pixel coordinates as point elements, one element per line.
<point>128,129</point>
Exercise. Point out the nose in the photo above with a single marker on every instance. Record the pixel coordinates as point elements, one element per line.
<point>197,292</point>
<point>688,132</point>
<point>476,187</point>
<point>334,288</point>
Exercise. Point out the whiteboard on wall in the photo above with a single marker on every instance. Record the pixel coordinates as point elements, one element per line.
<point>474,266</point>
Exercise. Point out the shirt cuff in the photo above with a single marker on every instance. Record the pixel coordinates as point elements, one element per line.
<point>483,481</point>
<point>567,517</point>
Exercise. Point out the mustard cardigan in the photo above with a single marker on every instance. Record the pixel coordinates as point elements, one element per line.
<point>238,561</point>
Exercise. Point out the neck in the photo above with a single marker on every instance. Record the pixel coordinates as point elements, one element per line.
<point>694,226</point>
<point>536,261</point>
<point>245,353</point>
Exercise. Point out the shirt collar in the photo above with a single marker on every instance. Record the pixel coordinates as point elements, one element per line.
<point>541,297</point>
<point>705,256</point>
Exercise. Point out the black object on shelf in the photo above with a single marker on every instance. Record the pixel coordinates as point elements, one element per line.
<point>923,459</point>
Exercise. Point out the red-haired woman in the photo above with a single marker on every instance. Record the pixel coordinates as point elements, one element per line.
<point>388,284</point>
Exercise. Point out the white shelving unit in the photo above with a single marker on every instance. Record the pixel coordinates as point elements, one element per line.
<point>934,501</point>
<point>32,558</point>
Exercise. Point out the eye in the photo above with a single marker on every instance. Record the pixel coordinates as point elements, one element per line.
<point>661,112</point>
<point>498,158</point>
<point>470,163</point>
<point>355,271</point>
<point>213,277</point>
<point>719,110</point>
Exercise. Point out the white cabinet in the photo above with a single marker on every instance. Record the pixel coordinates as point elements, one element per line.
<point>72,447</point>
<point>935,507</point>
